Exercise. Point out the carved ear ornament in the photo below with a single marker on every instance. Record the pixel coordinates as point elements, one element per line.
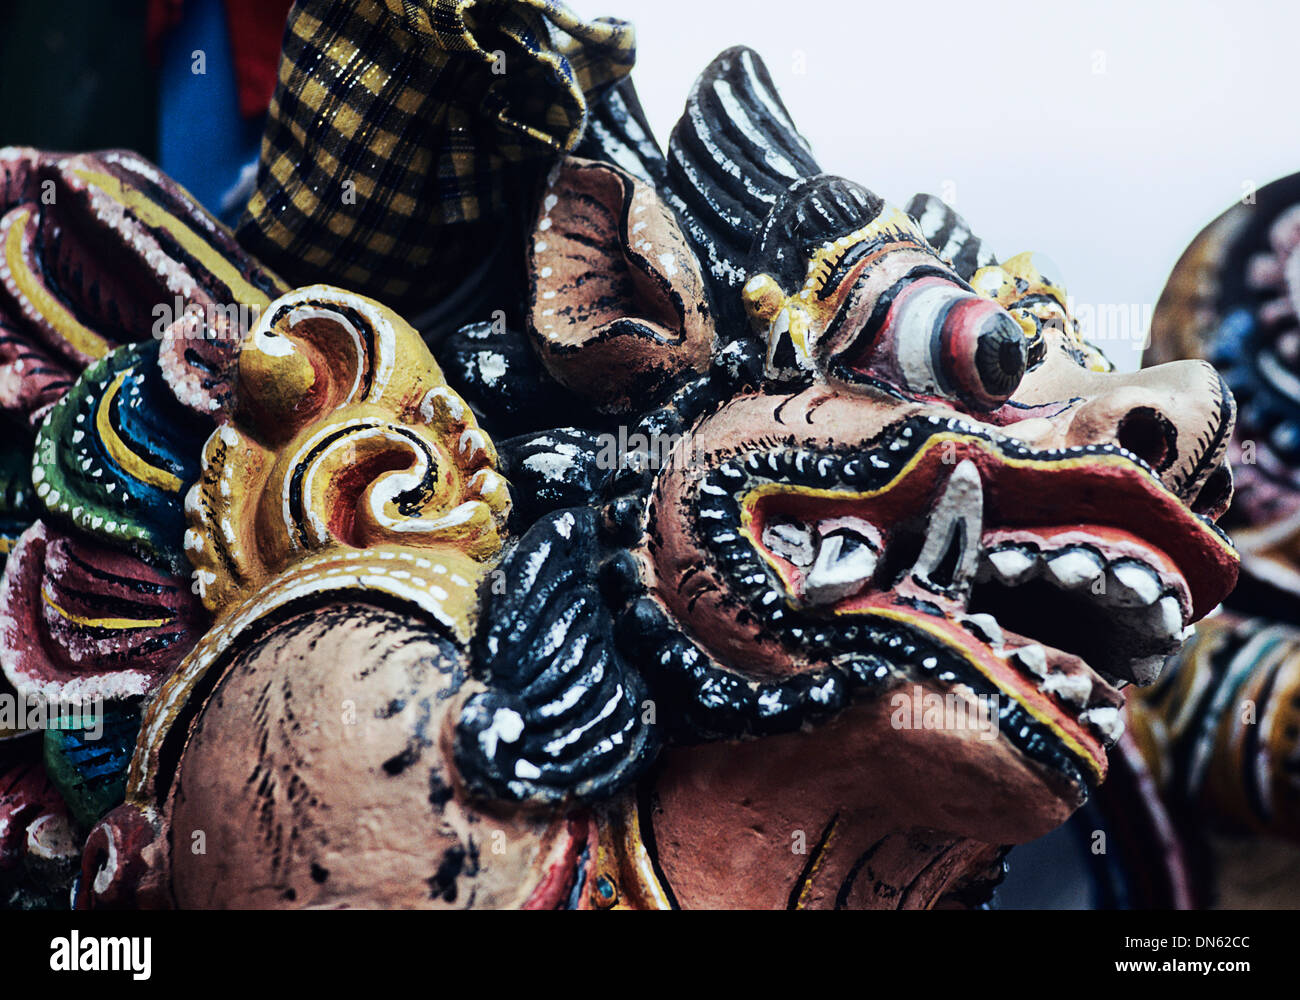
<point>347,465</point>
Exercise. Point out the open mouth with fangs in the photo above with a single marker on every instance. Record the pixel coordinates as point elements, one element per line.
<point>1048,578</point>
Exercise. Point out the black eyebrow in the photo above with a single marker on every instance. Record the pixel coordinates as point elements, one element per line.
<point>876,320</point>
<point>860,250</point>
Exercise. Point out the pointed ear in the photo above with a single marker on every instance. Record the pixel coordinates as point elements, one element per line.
<point>617,305</point>
<point>732,154</point>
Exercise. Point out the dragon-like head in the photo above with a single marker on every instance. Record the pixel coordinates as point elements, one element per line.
<point>887,465</point>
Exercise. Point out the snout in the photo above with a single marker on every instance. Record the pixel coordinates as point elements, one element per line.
<point>1175,417</point>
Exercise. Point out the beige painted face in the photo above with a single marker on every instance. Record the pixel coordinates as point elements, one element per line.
<point>1043,549</point>
<point>940,474</point>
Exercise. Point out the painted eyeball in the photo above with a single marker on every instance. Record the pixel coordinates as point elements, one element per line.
<point>932,336</point>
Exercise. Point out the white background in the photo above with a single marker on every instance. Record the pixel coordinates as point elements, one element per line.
<point>1104,135</point>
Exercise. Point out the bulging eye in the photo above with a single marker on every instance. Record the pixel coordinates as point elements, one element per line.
<point>994,351</point>
<point>933,336</point>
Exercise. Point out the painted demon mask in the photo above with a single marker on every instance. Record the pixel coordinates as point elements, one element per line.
<point>904,470</point>
<point>1233,299</point>
<point>1221,731</point>
<point>781,455</point>
<point>927,474</point>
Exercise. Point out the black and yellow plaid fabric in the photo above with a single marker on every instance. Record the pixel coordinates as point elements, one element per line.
<point>398,128</point>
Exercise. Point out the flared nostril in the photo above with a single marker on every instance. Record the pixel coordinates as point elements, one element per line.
<point>1216,494</point>
<point>1149,435</point>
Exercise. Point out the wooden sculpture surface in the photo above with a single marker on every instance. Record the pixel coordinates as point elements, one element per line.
<point>97,251</point>
<point>1222,729</point>
<point>857,458</point>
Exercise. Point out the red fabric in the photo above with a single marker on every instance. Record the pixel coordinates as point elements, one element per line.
<point>256,28</point>
<point>162,17</point>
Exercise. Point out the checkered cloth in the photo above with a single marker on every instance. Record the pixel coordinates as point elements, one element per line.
<point>399,129</point>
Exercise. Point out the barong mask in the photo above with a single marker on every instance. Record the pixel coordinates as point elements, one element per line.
<point>866,458</point>
<point>906,464</point>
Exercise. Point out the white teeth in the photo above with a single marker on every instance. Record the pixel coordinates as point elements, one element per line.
<point>1012,565</point>
<point>1134,586</point>
<point>1075,568</point>
<point>1107,721</point>
<point>988,627</point>
<point>1169,616</point>
<point>1033,658</point>
<point>1072,688</point>
<point>837,574</point>
<point>1186,632</point>
<point>957,519</point>
<point>1146,669</point>
<point>790,541</point>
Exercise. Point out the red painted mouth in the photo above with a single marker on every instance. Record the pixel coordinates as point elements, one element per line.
<point>1060,575</point>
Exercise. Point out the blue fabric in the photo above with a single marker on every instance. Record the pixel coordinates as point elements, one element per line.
<point>203,142</point>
